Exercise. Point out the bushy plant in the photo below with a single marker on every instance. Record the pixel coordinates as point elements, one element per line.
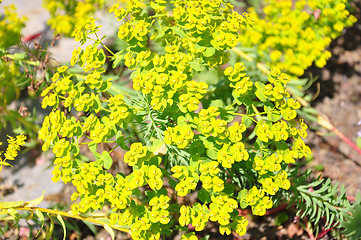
<point>205,149</point>
<point>235,151</point>
<point>292,35</point>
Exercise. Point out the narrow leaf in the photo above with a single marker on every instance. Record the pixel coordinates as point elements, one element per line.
<point>62,224</point>
<point>110,231</point>
<point>35,202</point>
<point>41,218</point>
<point>51,228</point>
<point>5,205</point>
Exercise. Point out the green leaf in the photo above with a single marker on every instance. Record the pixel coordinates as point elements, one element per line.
<point>194,161</point>
<point>105,86</point>
<point>211,153</point>
<point>204,196</point>
<point>206,142</point>
<point>12,212</point>
<point>242,194</point>
<point>119,137</point>
<point>281,218</point>
<point>5,205</point>
<point>196,148</point>
<point>274,115</point>
<point>199,48</point>
<point>62,224</point>
<point>352,223</point>
<point>155,160</point>
<point>19,56</point>
<point>209,52</point>
<point>107,160</point>
<point>110,231</point>
<point>97,105</point>
<point>172,182</point>
<point>181,120</point>
<point>217,103</point>
<point>51,228</point>
<point>247,121</point>
<point>228,188</point>
<point>259,93</point>
<point>93,147</point>
<point>156,146</point>
<point>90,226</point>
<point>179,32</point>
<point>41,218</point>
<point>196,66</point>
<point>117,58</point>
<point>35,202</point>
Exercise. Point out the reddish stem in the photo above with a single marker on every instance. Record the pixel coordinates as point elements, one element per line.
<point>31,37</point>
<point>309,232</point>
<point>327,124</point>
<point>323,233</point>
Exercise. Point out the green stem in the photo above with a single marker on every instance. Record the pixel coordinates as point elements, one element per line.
<point>66,214</point>
<point>12,57</point>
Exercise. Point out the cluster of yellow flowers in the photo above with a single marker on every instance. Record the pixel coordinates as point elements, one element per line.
<point>204,150</point>
<point>66,16</point>
<point>219,210</point>
<point>292,35</point>
<point>10,27</point>
<point>14,144</point>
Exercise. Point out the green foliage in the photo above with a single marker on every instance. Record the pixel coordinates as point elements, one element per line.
<point>204,148</point>
<point>322,199</point>
<point>196,119</point>
<point>351,221</point>
<point>10,27</point>
<point>18,73</point>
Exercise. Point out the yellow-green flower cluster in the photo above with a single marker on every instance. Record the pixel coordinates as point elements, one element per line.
<point>210,125</point>
<point>155,177</point>
<point>238,79</point>
<point>221,208</point>
<point>69,15</point>
<point>257,200</point>
<point>215,20</point>
<point>120,111</point>
<point>166,78</point>
<point>198,216</point>
<point>271,185</point>
<point>136,153</point>
<point>188,179</point>
<point>293,35</point>
<point>189,236</point>
<point>95,187</point>
<point>50,129</point>
<point>209,178</point>
<point>159,212</point>
<point>10,27</point>
<point>14,144</point>
<point>90,59</point>
<point>229,154</point>
<point>179,135</point>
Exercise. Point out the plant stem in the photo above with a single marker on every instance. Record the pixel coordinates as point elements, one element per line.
<point>324,122</point>
<point>66,214</point>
